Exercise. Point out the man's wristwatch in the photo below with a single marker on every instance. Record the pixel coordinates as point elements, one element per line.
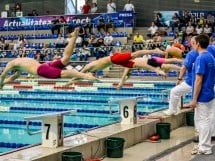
<point>180,79</point>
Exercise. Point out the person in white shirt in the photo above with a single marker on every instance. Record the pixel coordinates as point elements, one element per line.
<point>94,8</point>
<point>129,6</point>
<point>111,7</point>
<point>153,29</point>
<point>108,39</point>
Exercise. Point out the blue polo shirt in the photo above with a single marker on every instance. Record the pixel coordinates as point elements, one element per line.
<point>205,65</point>
<point>211,49</point>
<point>188,63</point>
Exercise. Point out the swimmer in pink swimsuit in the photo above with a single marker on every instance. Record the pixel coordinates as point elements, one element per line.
<point>53,69</point>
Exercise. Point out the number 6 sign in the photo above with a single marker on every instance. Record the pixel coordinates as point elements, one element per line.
<point>128,109</point>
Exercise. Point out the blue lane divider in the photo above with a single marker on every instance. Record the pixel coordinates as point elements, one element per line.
<point>51,100</point>
<point>12,145</point>
<point>59,110</point>
<point>36,123</point>
<point>91,93</point>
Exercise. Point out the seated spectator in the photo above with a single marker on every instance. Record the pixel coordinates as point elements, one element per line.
<point>175,22</point>
<point>100,52</point>
<point>207,30</point>
<point>129,6</point>
<point>92,44</point>
<point>82,34</point>
<point>109,24</point>
<point>101,23</point>
<point>86,7</point>
<point>20,42</point>
<point>79,41</point>
<point>199,29</point>
<point>94,8</point>
<point>55,25</point>
<point>158,20</point>
<point>189,29</point>
<point>111,7</point>
<point>201,21</point>
<point>84,53</point>
<point>138,41</point>
<point>177,38</point>
<point>108,39</point>
<point>152,29</point>
<point>11,45</point>
<point>88,25</point>
<point>3,44</point>
<point>211,20</point>
<point>60,42</point>
<point>57,55</point>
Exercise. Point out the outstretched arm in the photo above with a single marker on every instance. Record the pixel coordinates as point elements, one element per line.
<point>140,53</point>
<point>124,77</point>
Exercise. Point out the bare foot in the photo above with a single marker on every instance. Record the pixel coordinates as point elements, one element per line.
<point>160,72</point>
<point>75,33</point>
<point>119,86</point>
<point>91,77</point>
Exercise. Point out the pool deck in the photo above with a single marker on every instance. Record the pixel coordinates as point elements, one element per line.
<point>94,144</point>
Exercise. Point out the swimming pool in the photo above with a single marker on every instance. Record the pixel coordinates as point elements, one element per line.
<point>91,104</point>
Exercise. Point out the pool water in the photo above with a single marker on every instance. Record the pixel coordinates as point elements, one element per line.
<point>93,110</point>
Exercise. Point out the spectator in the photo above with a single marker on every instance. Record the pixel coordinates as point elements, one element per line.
<point>84,53</point>
<point>158,20</point>
<point>207,30</point>
<point>177,38</point>
<point>108,39</point>
<point>88,25</point>
<point>111,7</point>
<point>3,44</point>
<point>100,52</point>
<point>138,41</point>
<point>82,34</point>
<point>153,29</point>
<point>101,23</point>
<point>55,25</point>
<point>190,29</point>
<point>129,6</point>
<point>94,8</point>
<point>86,7</point>
<point>63,24</point>
<point>199,29</point>
<point>20,42</point>
<point>60,42</point>
<point>175,22</point>
<point>201,20</point>
<point>109,23</point>
<point>211,21</point>
<point>79,41</point>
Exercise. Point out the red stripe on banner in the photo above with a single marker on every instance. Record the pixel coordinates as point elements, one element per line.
<point>22,87</point>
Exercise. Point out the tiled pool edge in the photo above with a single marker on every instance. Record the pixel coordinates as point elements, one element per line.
<point>133,134</point>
